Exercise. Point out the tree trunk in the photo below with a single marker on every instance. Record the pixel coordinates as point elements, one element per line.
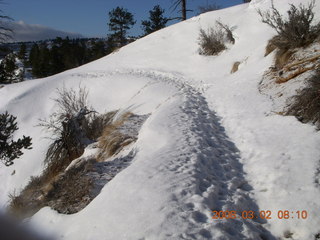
<point>184,9</point>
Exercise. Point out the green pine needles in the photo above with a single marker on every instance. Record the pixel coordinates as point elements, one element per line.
<point>10,149</point>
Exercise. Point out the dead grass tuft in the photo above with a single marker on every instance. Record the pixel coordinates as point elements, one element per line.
<point>271,46</point>
<point>96,123</point>
<point>282,58</point>
<point>112,140</point>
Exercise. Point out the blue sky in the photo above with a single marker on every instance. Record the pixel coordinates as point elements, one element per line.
<point>90,17</point>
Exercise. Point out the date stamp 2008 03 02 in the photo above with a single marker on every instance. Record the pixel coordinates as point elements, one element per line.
<point>264,214</point>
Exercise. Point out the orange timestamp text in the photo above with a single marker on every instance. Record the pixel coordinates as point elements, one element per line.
<point>264,214</point>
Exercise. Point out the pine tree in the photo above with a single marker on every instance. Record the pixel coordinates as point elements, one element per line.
<point>98,49</point>
<point>111,46</point>
<point>34,59</point>
<point>22,52</point>
<point>9,149</point>
<point>156,20</point>
<point>120,20</point>
<point>40,60</point>
<point>9,70</point>
<point>44,61</point>
<point>56,60</point>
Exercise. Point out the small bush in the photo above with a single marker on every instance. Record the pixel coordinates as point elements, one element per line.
<point>294,31</point>
<point>212,41</point>
<point>306,106</point>
<point>69,126</point>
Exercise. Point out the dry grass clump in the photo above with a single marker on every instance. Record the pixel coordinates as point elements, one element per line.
<point>73,127</point>
<point>306,106</point>
<point>113,140</point>
<point>69,189</point>
<point>67,192</point>
<point>212,41</point>
<point>270,47</point>
<point>282,57</point>
<point>70,192</point>
<point>29,201</point>
<point>96,124</point>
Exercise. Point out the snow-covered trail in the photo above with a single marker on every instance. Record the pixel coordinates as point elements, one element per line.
<point>195,168</point>
<point>186,164</point>
<point>206,172</point>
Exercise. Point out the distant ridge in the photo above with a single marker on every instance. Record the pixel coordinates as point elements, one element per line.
<point>23,32</point>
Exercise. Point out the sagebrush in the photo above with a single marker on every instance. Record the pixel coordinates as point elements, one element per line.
<point>69,126</point>
<point>294,31</point>
<point>213,41</point>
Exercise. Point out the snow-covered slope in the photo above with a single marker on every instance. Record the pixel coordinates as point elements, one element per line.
<point>211,142</point>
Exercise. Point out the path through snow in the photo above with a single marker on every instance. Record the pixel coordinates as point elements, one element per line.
<point>208,173</point>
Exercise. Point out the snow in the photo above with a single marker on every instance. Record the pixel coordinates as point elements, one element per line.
<point>211,142</point>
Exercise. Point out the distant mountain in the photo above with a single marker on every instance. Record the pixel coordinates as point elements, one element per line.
<point>23,32</point>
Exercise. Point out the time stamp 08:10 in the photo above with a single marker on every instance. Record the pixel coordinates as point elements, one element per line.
<point>267,214</point>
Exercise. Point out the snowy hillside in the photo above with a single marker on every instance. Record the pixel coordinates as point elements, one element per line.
<point>211,142</point>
